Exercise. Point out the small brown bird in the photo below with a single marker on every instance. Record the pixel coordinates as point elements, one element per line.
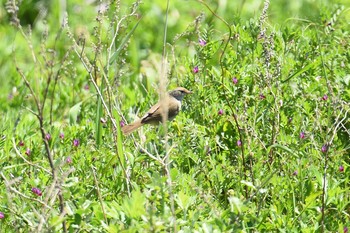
<point>172,103</point>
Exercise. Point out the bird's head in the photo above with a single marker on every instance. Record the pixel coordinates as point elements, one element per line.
<point>179,93</point>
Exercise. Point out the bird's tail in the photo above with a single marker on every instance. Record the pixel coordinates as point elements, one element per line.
<point>127,129</point>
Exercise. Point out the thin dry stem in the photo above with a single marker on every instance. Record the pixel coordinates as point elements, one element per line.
<point>163,80</point>
<point>40,117</point>
<point>9,187</point>
<point>99,193</point>
<point>228,102</point>
<point>25,160</point>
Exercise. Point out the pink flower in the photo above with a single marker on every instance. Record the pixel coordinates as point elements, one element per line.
<point>2,215</point>
<point>325,97</point>
<point>103,120</point>
<point>69,160</point>
<point>28,151</point>
<point>48,137</point>
<point>324,148</point>
<point>202,42</point>
<point>295,173</point>
<point>37,191</point>
<point>261,96</point>
<point>21,143</point>
<point>61,135</point>
<point>302,135</point>
<point>239,143</point>
<point>221,112</point>
<point>86,87</point>
<point>122,124</point>
<point>234,80</point>
<point>76,142</point>
<point>195,70</point>
<point>341,168</point>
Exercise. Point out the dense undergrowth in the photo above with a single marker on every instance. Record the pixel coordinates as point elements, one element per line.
<point>261,145</point>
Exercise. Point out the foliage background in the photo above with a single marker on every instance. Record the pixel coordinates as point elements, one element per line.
<point>269,152</point>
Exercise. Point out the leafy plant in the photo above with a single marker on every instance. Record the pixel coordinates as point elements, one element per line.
<point>262,144</point>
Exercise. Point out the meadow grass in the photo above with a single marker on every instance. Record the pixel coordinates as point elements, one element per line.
<point>261,145</point>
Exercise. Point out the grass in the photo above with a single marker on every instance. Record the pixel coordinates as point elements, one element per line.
<point>261,145</point>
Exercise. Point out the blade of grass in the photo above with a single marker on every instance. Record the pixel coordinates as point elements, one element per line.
<point>99,116</point>
<point>123,43</point>
<point>299,72</point>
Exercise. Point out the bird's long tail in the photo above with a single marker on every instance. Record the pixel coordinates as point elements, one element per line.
<point>127,129</point>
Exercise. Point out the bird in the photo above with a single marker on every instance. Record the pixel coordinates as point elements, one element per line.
<point>171,103</point>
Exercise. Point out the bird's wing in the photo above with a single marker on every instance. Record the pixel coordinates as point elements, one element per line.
<point>153,109</point>
<point>153,113</point>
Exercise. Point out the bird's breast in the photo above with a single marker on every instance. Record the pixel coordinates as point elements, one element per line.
<point>174,108</point>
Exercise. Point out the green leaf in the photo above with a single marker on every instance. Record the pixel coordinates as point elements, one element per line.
<point>184,201</point>
<point>74,113</point>
<point>134,207</point>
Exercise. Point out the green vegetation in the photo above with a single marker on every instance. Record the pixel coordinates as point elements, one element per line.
<point>261,145</point>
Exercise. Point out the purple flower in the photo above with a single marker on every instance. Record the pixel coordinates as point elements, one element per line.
<point>86,87</point>
<point>221,112</point>
<point>239,143</point>
<point>302,135</point>
<point>234,80</point>
<point>261,96</point>
<point>195,70</point>
<point>325,97</point>
<point>341,168</point>
<point>122,124</point>
<point>202,42</point>
<point>324,148</point>
<point>48,137</point>
<point>61,135</point>
<point>28,151</point>
<point>21,143</point>
<point>295,173</point>
<point>37,191</point>
<point>76,142</point>
<point>69,160</point>
<point>345,229</point>
<point>2,215</point>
